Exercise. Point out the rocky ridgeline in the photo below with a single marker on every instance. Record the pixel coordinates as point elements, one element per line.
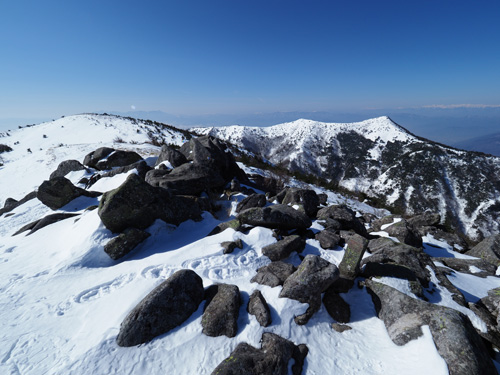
<point>180,187</point>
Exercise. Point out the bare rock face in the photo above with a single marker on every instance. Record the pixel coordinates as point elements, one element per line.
<point>455,338</point>
<point>271,359</point>
<point>282,249</point>
<point>125,242</point>
<point>488,249</point>
<point>221,311</point>
<point>277,216</point>
<point>59,191</point>
<point>165,308</point>
<point>258,307</point>
<point>313,277</point>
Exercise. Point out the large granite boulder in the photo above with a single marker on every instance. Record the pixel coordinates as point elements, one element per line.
<point>254,200</point>
<point>282,249</point>
<point>272,359</point>
<point>170,155</point>
<point>125,242</point>
<point>405,233</point>
<point>165,308</point>
<point>277,216</point>
<point>344,216</point>
<point>274,274</point>
<point>92,158</point>
<point>488,249</point>
<point>313,277</point>
<point>456,339</point>
<point>59,191</point>
<point>257,306</point>
<point>354,251</point>
<point>137,204</point>
<point>221,310</point>
<point>65,167</point>
<point>118,158</point>
<point>306,198</point>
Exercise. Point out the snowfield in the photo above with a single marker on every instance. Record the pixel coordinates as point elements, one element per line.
<point>62,299</point>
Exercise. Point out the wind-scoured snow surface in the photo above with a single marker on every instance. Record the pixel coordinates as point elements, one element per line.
<point>383,160</point>
<point>62,299</point>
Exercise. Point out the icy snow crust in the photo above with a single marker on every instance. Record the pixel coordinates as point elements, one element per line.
<point>62,299</point>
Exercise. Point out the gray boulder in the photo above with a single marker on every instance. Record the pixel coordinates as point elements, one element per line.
<point>405,233</point>
<point>165,308</point>
<point>92,158</point>
<point>11,203</point>
<point>328,238</point>
<point>47,220</point>
<point>274,274</point>
<point>59,191</point>
<point>170,154</point>
<point>492,303</point>
<point>65,167</point>
<point>254,200</point>
<point>221,311</point>
<point>275,217</point>
<point>233,224</point>
<point>483,268</point>
<point>272,359</point>
<point>282,249</point>
<point>141,166</point>
<point>384,243</point>
<point>125,242</point>
<point>488,249</point>
<point>427,219</point>
<point>306,198</point>
<point>313,277</point>
<point>345,217</point>
<point>349,266</point>
<point>137,204</point>
<point>377,224</point>
<point>455,338</point>
<point>257,306</point>
<point>118,158</point>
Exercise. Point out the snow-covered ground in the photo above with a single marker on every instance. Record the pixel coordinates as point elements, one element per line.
<point>62,299</point>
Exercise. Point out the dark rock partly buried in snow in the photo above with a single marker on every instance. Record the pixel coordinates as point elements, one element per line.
<point>118,158</point>
<point>488,249</point>
<point>328,238</point>
<point>171,155</point>
<point>221,311</point>
<point>345,216</point>
<point>337,308</point>
<point>47,220</point>
<point>275,217</point>
<point>141,167</point>
<point>427,219</point>
<point>93,157</point>
<point>306,198</point>
<point>65,167</point>
<point>125,242</point>
<point>254,200</point>
<point>258,307</point>
<point>377,224</point>
<point>384,243</point>
<point>455,338</point>
<point>59,191</point>
<point>405,233</point>
<point>137,204</point>
<point>476,267</point>
<point>166,307</point>
<point>274,274</point>
<point>313,277</point>
<point>271,359</point>
<point>233,224</point>
<point>11,204</point>
<point>229,246</point>
<point>349,266</point>
<point>282,249</point>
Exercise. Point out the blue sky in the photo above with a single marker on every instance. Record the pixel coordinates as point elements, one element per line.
<point>205,57</point>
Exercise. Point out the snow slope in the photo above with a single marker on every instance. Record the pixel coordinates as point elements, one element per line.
<point>62,299</point>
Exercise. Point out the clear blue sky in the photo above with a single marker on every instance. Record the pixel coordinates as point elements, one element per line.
<point>195,57</point>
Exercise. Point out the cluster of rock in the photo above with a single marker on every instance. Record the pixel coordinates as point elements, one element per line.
<point>178,189</point>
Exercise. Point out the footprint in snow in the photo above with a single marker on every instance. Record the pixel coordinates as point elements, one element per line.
<point>158,272</point>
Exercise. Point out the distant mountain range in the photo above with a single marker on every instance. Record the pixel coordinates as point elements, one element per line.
<point>489,144</point>
<point>383,160</point>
